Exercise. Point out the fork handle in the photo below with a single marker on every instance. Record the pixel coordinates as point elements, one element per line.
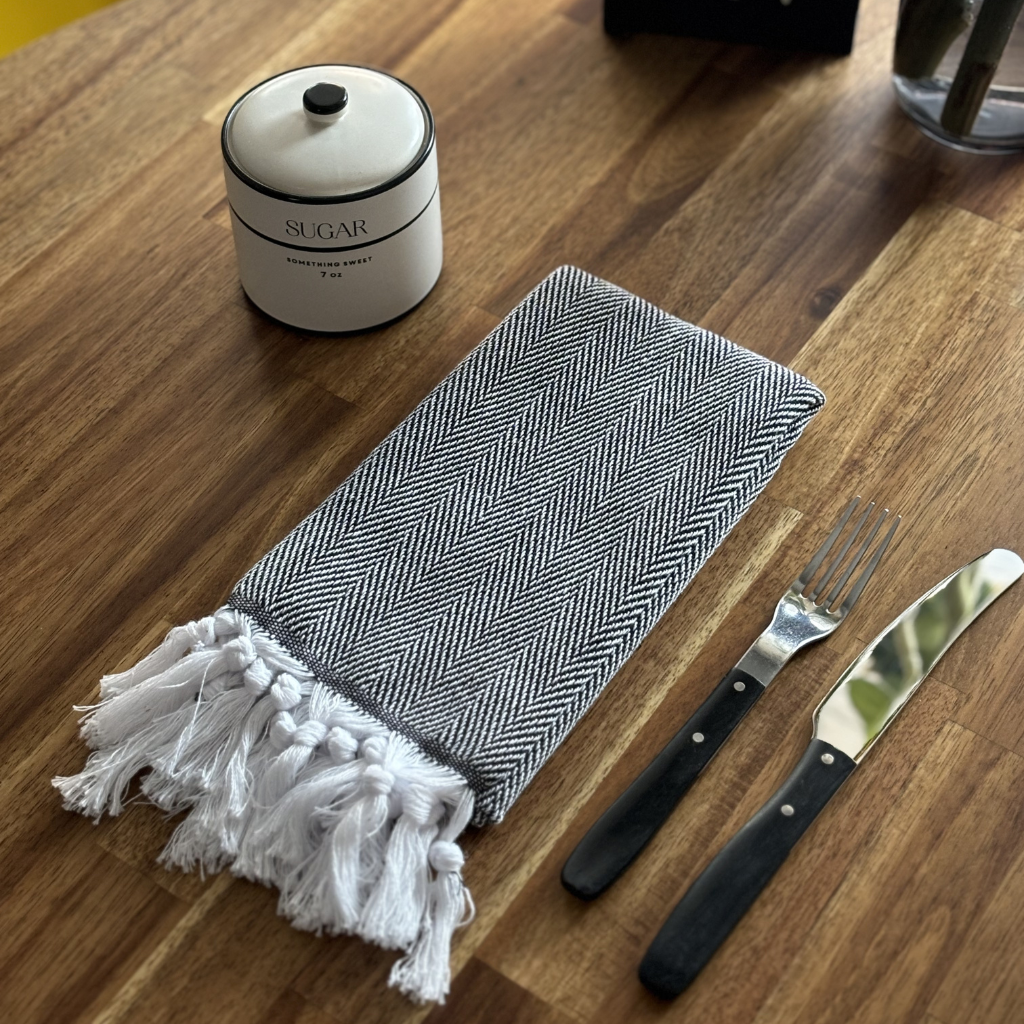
<point>616,838</point>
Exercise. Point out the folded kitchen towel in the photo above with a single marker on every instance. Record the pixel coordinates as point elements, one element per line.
<point>406,659</point>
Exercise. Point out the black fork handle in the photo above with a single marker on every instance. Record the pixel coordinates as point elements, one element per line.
<point>618,836</point>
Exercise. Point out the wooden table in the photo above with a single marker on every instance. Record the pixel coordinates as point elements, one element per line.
<point>158,435</point>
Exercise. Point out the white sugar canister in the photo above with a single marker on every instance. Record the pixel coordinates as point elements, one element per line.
<point>331,177</point>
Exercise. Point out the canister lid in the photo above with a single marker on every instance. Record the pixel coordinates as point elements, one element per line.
<point>333,131</point>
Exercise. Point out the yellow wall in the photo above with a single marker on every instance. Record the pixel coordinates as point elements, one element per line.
<point>23,20</point>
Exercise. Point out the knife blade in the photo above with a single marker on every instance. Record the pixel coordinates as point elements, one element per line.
<point>847,723</point>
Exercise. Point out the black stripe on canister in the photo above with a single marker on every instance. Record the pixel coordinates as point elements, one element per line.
<point>288,197</point>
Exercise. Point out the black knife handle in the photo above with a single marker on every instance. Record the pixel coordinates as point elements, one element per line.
<point>728,886</point>
<point>616,838</point>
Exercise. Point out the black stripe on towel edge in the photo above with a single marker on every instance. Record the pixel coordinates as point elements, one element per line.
<point>327,676</point>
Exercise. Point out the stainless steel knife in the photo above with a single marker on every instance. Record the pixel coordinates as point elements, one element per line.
<point>847,723</point>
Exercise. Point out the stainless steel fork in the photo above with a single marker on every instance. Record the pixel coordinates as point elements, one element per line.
<point>807,611</point>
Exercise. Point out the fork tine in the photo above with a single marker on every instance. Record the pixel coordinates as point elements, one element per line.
<point>819,556</point>
<point>824,581</point>
<point>855,561</point>
<point>862,580</point>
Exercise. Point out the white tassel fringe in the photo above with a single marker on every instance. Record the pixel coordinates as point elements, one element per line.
<point>290,784</point>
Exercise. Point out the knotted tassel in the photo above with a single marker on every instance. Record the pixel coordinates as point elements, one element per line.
<point>186,770</point>
<point>209,836</point>
<point>424,974</point>
<point>118,719</point>
<point>297,748</point>
<point>282,831</point>
<point>198,763</point>
<point>179,641</point>
<point>396,906</point>
<point>250,762</point>
<point>144,725</point>
<point>329,891</point>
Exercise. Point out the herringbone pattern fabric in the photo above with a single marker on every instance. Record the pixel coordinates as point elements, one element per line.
<point>484,573</point>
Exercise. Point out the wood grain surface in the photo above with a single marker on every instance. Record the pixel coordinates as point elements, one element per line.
<point>157,435</point>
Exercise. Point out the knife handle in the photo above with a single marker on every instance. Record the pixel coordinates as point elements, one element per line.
<point>616,838</point>
<point>732,881</point>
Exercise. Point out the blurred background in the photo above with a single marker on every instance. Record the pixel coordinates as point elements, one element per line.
<point>21,21</point>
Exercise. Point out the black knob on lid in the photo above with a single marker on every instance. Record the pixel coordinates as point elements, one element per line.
<point>325,98</point>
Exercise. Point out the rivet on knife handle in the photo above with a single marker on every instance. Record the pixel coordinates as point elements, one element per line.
<point>847,723</point>
<point>805,613</point>
<point>728,886</point>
